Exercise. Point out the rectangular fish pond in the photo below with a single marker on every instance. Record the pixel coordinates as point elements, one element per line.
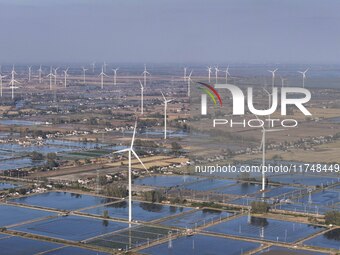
<point>265,229</point>
<point>63,200</point>
<point>74,228</point>
<point>201,244</point>
<point>141,211</point>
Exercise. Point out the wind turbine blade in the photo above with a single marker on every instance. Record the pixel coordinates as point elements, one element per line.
<point>121,151</point>
<point>141,85</point>
<point>275,130</point>
<point>163,96</point>
<point>134,134</point>
<point>140,161</point>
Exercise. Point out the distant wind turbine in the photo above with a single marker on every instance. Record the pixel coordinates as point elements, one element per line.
<point>39,73</point>
<point>12,82</point>
<point>65,77</point>
<point>303,76</point>
<point>131,151</point>
<point>1,77</point>
<point>226,74</point>
<point>55,76</point>
<point>141,97</point>
<point>283,81</point>
<point>102,74</point>
<point>165,101</point>
<point>185,73</point>
<point>209,72</point>
<point>115,75</point>
<point>29,73</point>
<point>145,73</point>
<point>189,80</point>
<point>216,73</point>
<point>84,74</point>
<point>50,75</point>
<point>273,75</point>
<point>104,65</point>
<point>93,66</point>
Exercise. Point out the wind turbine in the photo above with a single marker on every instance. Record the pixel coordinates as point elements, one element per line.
<point>102,74</point>
<point>104,65</point>
<point>84,74</point>
<point>141,97</point>
<point>165,108</point>
<point>216,72</point>
<point>283,81</point>
<point>93,66</point>
<point>263,146</point>
<point>1,77</point>
<point>145,73</point>
<point>189,80</point>
<point>39,73</point>
<point>273,75</point>
<point>303,76</point>
<point>29,73</point>
<point>55,76</point>
<point>51,75</point>
<point>115,75</point>
<point>12,82</point>
<point>65,77</point>
<point>131,151</point>
<point>226,74</point>
<point>209,72</point>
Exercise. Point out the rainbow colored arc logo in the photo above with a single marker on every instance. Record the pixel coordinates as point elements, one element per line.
<point>209,90</point>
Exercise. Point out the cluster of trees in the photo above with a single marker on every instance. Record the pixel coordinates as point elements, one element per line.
<point>259,207</point>
<point>332,217</point>
<point>153,196</point>
<point>115,191</point>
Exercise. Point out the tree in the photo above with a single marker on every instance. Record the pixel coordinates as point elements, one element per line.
<point>37,155</point>
<point>332,217</point>
<point>259,207</point>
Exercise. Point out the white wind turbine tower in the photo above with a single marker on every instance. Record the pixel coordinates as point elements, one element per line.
<point>12,82</point>
<point>131,151</point>
<point>65,77</point>
<point>165,109</point>
<point>303,76</point>
<point>84,74</point>
<point>93,66</point>
<point>102,74</point>
<point>55,76</point>
<point>145,73</point>
<point>39,73</point>
<point>185,73</point>
<point>1,77</point>
<point>216,72</point>
<point>226,74</point>
<point>273,75</point>
<point>263,146</point>
<point>29,73</point>
<point>209,72</point>
<point>115,75</point>
<point>189,80</point>
<point>141,97</point>
<point>50,75</point>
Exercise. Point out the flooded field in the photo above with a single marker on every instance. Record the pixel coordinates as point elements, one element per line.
<point>62,200</point>
<point>201,244</point>
<point>142,211</point>
<point>266,229</point>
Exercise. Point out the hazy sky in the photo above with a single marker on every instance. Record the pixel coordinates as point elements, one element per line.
<point>203,31</point>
